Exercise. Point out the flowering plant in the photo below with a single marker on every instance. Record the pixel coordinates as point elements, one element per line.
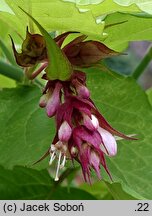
<point>67,74</point>
<point>82,133</point>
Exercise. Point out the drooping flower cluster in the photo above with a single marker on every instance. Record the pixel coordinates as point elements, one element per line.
<point>82,133</point>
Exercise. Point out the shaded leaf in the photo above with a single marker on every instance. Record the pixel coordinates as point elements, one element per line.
<point>28,184</point>
<point>21,139</point>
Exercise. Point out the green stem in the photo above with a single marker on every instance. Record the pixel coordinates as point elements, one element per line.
<point>11,71</point>
<point>64,175</point>
<point>143,64</point>
<point>15,73</point>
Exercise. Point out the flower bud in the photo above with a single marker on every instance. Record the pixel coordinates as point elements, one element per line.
<point>54,101</point>
<point>95,162</point>
<point>33,50</point>
<point>87,53</point>
<point>109,145</point>
<point>92,52</point>
<point>91,123</point>
<point>43,100</point>
<point>64,132</point>
<point>81,89</point>
<point>74,151</point>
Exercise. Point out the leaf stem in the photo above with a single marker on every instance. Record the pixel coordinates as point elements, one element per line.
<point>37,72</point>
<point>11,71</point>
<point>143,64</point>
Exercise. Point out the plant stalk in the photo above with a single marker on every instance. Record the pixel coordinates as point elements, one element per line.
<point>143,64</point>
<point>37,72</point>
<point>11,71</point>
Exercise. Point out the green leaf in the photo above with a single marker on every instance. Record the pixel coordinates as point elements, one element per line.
<point>127,109</point>
<point>144,5</point>
<point>10,24</point>
<point>6,82</point>
<point>59,67</point>
<point>106,7</point>
<point>84,2</point>
<point>122,33</point>
<point>149,94</point>
<point>54,15</point>
<point>22,140</point>
<point>23,183</point>
<point>28,184</point>
<point>50,13</point>
<point>107,191</point>
<point>4,6</point>
<point>64,193</point>
<point>117,192</point>
<point>98,190</point>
